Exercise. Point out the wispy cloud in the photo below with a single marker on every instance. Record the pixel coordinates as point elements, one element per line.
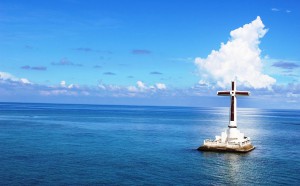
<point>65,62</point>
<point>156,73</point>
<point>187,59</point>
<point>88,49</point>
<point>141,52</point>
<point>27,67</point>
<point>286,65</point>
<point>109,73</point>
<point>275,9</point>
<point>84,49</point>
<point>123,65</point>
<point>29,47</point>
<point>97,66</point>
<point>278,10</point>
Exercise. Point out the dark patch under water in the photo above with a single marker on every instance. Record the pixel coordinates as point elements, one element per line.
<point>51,144</point>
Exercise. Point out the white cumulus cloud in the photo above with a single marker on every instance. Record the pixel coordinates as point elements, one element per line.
<point>142,87</point>
<point>239,58</point>
<point>25,81</point>
<point>63,83</point>
<point>161,86</point>
<point>9,77</point>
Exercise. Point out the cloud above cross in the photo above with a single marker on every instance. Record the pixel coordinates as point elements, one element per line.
<point>239,59</point>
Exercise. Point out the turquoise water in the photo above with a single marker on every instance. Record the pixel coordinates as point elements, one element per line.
<point>47,144</point>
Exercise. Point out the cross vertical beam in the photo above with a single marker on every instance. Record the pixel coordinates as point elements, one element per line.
<point>232,109</point>
<point>233,93</point>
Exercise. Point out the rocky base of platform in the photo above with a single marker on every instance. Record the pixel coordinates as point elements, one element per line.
<point>224,148</point>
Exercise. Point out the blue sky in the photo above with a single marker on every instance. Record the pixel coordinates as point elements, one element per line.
<point>145,52</point>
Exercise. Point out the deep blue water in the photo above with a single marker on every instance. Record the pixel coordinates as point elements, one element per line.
<point>52,144</point>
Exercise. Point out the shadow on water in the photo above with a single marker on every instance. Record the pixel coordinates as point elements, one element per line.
<point>229,155</point>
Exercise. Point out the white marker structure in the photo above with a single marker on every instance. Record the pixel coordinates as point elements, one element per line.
<point>232,139</point>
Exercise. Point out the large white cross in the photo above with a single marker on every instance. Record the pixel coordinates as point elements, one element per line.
<point>233,93</point>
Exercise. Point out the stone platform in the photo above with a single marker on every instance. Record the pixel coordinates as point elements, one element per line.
<point>226,147</point>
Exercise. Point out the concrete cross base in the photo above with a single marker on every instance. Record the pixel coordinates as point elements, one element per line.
<point>226,148</point>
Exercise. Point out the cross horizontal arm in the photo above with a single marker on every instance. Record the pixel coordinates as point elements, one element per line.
<point>242,93</point>
<point>223,93</point>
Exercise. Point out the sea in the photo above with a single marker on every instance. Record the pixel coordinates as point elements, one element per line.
<point>69,144</point>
